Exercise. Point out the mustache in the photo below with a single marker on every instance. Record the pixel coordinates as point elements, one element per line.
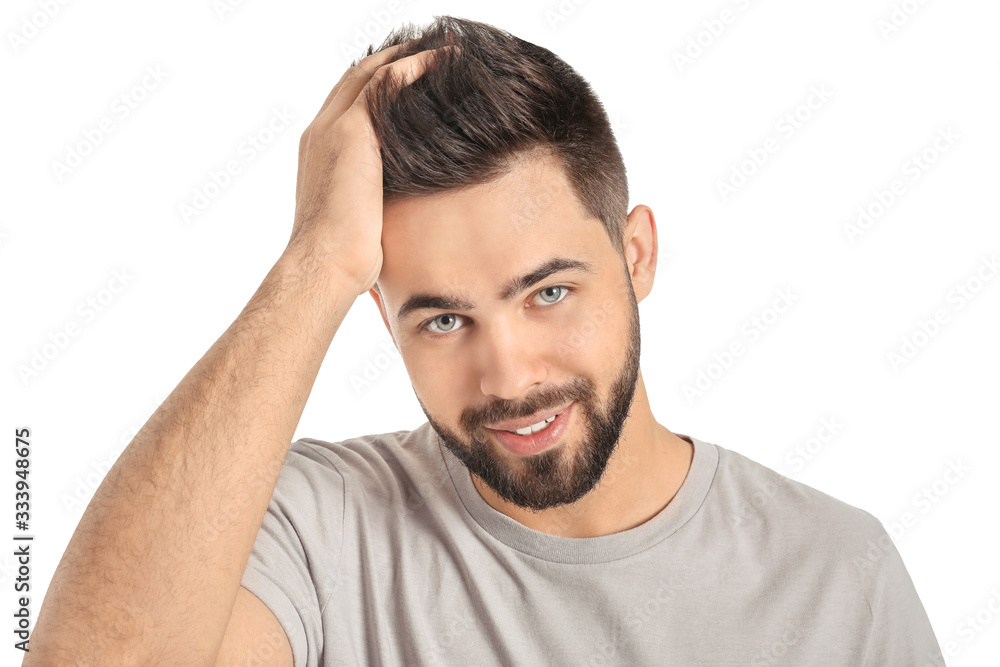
<point>579,390</point>
<point>492,415</point>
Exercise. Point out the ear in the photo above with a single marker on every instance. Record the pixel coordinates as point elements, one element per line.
<point>640,248</point>
<point>376,295</point>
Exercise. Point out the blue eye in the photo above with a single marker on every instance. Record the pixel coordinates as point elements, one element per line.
<point>554,287</point>
<point>453,318</point>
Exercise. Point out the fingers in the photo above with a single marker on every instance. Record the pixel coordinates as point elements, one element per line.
<point>367,65</point>
<point>351,95</point>
<point>406,69</point>
<point>414,66</point>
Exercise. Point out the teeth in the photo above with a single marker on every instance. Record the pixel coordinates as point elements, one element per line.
<point>535,428</point>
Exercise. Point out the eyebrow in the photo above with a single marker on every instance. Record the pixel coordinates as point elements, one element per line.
<point>457,302</point>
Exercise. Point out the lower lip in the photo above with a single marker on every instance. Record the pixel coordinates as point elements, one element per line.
<point>526,445</point>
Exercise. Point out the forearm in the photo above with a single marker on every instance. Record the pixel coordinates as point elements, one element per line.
<point>152,570</point>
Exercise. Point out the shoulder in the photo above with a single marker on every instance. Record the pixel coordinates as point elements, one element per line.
<point>817,542</point>
<point>376,462</point>
<point>754,495</point>
<point>825,550</point>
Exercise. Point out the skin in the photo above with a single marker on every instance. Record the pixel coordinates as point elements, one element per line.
<point>152,574</point>
<point>506,359</point>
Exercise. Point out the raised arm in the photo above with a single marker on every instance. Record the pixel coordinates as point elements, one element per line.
<point>152,572</point>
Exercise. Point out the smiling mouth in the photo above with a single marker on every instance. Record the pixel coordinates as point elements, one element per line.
<point>535,428</point>
<point>534,438</point>
<point>531,429</point>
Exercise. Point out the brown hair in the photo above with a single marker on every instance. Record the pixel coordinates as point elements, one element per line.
<point>473,115</point>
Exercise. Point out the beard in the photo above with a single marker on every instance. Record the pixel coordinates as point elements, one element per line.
<point>566,472</point>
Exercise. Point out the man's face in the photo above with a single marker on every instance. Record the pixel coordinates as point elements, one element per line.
<point>494,351</point>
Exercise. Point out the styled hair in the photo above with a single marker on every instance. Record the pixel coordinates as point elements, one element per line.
<point>472,116</point>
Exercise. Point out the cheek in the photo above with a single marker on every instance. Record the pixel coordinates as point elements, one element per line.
<point>439,379</point>
<point>589,332</point>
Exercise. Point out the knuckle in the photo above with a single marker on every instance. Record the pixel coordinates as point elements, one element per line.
<point>364,69</point>
<point>307,136</point>
<point>355,119</point>
<point>319,127</point>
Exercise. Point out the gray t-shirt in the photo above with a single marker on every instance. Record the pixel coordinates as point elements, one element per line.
<point>378,550</point>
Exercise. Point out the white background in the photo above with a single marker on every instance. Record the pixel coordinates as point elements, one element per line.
<point>683,129</point>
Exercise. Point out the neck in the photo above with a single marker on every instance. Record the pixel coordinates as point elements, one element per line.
<point>647,469</point>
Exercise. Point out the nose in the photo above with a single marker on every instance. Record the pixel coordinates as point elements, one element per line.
<point>511,360</point>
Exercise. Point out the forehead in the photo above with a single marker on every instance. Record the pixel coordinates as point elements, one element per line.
<point>476,239</point>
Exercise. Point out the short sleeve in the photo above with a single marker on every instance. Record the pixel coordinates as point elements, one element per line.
<point>296,556</point>
<point>900,631</point>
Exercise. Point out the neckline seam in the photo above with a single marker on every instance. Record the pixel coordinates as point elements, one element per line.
<point>498,527</point>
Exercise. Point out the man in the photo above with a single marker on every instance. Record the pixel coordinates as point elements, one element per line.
<point>470,182</point>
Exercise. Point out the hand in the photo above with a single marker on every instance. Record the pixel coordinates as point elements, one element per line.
<point>338,194</point>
